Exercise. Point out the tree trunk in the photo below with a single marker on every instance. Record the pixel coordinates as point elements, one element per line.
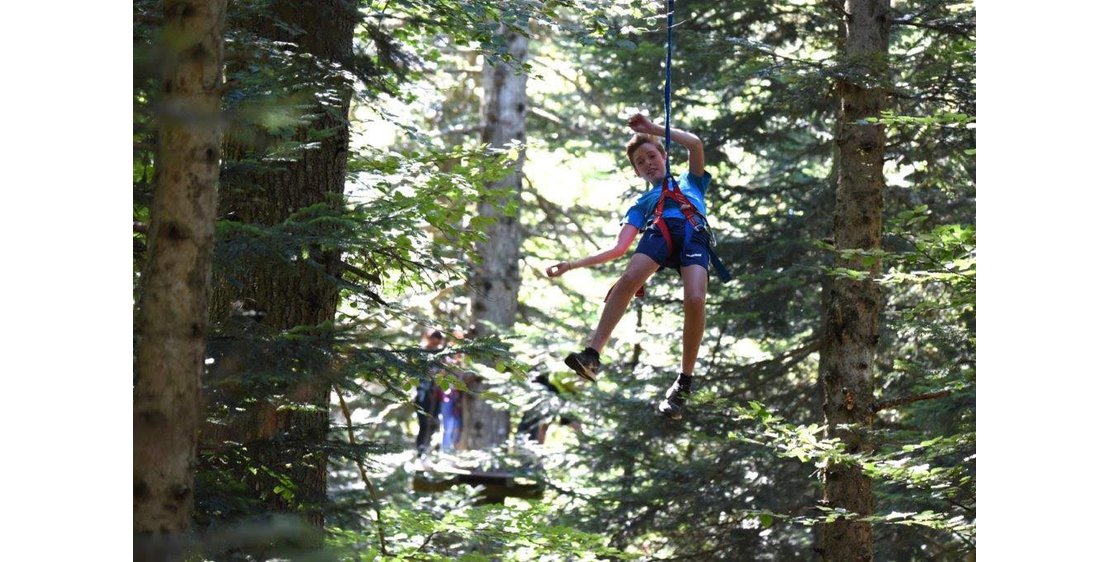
<point>173,318</point>
<point>851,333</point>
<point>496,279</point>
<point>302,291</point>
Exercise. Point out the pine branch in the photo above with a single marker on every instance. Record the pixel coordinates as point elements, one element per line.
<point>373,277</point>
<point>952,29</point>
<point>960,505</point>
<point>781,363</point>
<point>909,400</point>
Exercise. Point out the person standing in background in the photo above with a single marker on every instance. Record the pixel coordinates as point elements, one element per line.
<point>429,397</point>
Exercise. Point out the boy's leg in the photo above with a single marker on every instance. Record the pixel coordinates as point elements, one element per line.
<point>639,269</point>
<point>587,362</point>
<point>695,283</point>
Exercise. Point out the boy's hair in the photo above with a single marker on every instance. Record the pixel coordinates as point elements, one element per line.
<point>641,139</point>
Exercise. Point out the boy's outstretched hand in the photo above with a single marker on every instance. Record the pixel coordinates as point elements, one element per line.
<point>558,269</point>
<point>642,124</point>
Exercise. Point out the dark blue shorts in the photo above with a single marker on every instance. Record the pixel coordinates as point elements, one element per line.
<point>694,251</point>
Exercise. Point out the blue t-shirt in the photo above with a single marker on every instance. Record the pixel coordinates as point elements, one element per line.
<point>644,208</point>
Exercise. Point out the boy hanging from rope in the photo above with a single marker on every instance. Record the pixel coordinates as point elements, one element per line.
<point>676,236</point>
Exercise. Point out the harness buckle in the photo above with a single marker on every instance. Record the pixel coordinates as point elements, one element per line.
<point>712,238</point>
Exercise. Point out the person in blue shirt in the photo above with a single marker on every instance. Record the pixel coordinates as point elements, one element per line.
<point>429,397</point>
<point>684,246</point>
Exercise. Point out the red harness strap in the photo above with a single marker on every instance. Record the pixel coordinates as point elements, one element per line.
<point>687,208</point>
<point>684,205</point>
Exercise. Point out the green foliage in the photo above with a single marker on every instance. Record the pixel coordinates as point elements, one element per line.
<point>491,532</point>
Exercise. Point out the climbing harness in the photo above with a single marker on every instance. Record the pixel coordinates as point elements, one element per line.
<point>695,222</point>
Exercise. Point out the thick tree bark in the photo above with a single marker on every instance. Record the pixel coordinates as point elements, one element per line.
<point>173,317</point>
<point>300,292</point>
<point>851,333</point>
<point>495,282</point>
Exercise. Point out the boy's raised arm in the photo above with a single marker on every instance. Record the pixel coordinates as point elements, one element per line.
<point>642,124</point>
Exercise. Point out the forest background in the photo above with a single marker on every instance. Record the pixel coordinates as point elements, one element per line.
<point>79,227</point>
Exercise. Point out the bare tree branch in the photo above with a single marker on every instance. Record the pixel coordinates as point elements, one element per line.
<point>362,472</point>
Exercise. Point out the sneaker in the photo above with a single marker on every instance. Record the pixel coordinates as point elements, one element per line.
<point>672,405</point>
<point>585,363</point>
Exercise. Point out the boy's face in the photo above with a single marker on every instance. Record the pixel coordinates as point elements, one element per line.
<point>649,163</point>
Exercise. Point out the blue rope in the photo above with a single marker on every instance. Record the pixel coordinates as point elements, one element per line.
<point>718,265</point>
<point>667,96</point>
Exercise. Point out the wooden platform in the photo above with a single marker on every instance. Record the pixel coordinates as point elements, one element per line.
<point>495,486</point>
